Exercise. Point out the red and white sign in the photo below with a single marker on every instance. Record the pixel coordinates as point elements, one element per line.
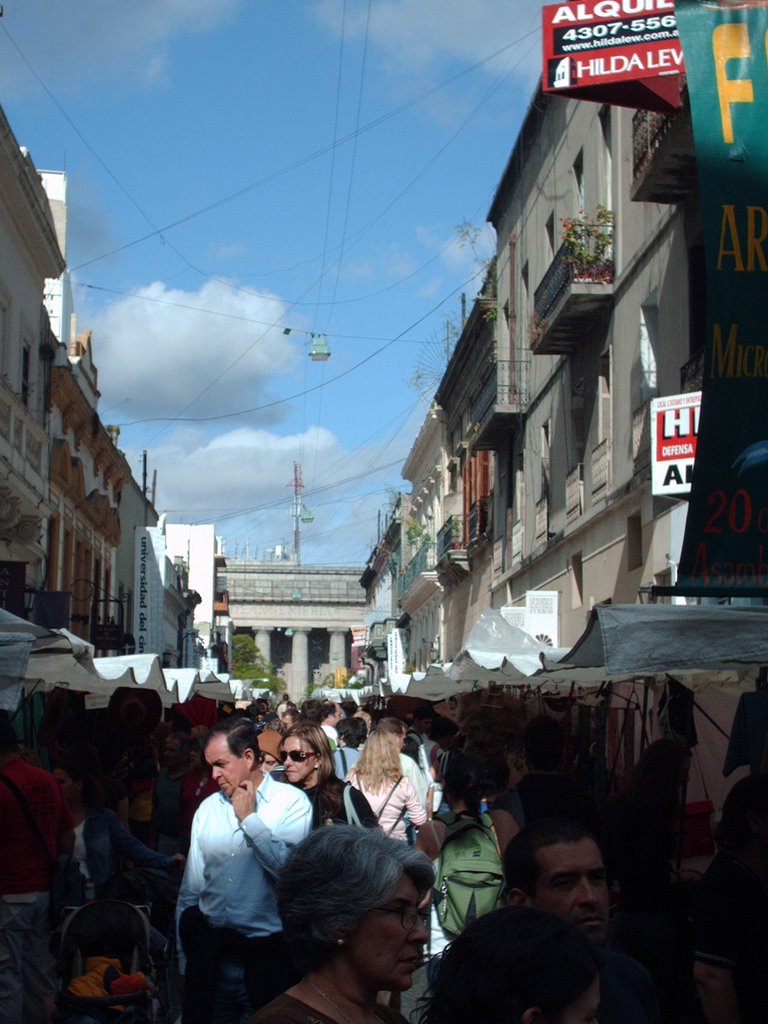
<point>625,52</point>
<point>674,429</point>
<point>359,636</point>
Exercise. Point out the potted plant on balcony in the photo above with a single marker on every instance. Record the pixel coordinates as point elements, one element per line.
<point>587,245</point>
<point>415,533</point>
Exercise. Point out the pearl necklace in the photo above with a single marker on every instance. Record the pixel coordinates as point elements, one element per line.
<point>330,1002</point>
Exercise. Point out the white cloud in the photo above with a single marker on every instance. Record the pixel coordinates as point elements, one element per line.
<point>80,40</point>
<point>241,481</point>
<point>165,347</point>
<point>416,34</point>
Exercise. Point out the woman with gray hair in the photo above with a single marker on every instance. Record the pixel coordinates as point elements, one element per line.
<point>351,904</point>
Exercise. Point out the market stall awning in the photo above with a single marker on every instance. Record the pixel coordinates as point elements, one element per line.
<point>636,639</point>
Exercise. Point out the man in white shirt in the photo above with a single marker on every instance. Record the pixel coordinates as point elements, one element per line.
<point>331,716</point>
<point>229,928</point>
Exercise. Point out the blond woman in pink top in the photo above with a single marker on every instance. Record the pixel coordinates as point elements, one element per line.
<point>391,796</point>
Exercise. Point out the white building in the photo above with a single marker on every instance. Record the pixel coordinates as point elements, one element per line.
<point>199,550</point>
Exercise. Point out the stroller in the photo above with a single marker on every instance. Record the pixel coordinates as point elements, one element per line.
<point>119,931</point>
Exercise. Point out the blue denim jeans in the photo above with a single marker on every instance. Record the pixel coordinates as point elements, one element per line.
<point>231,1004</point>
<point>27,976</point>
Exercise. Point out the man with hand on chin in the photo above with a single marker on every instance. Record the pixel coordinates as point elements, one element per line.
<point>229,929</point>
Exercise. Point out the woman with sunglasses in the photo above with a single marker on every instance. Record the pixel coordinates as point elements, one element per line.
<point>351,905</point>
<point>308,761</point>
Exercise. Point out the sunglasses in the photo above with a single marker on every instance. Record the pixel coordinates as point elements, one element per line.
<point>297,755</point>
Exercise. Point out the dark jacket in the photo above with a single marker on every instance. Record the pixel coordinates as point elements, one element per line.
<point>107,840</point>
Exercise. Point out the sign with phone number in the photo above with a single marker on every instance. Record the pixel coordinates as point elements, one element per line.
<point>591,49</point>
<point>604,34</point>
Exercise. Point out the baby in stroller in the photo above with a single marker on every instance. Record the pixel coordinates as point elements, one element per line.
<point>105,966</point>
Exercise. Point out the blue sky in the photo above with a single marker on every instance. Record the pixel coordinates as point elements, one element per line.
<point>237,168</point>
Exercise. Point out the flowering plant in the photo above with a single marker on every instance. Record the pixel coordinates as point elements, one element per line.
<point>589,243</point>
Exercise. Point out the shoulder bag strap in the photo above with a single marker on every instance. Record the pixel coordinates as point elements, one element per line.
<point>389,797</point>
<point>23,804</point>
<point>353,817</point>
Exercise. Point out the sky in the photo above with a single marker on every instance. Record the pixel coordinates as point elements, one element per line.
<point>245,176</point>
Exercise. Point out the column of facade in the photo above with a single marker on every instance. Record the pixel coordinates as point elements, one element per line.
<point>338,649</point>
<point>264,643</point>
<point>299,664</point>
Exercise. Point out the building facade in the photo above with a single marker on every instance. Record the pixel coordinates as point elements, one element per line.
<point>592,306</point>
<point>29,253</point>
<point>300,617</point>
<point>600,298</point>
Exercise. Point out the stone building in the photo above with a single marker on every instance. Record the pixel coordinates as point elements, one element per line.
<point>299,616</point>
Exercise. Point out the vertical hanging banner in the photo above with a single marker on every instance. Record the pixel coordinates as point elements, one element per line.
<point>726,535</point>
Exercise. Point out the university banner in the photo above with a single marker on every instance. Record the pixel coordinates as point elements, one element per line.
<point>726,535</point>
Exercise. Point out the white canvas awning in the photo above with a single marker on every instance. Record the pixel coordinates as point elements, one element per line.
<point>34,657</point>
<point>496,652</point>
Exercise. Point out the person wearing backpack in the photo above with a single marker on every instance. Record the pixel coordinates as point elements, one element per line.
<point>467,851</point>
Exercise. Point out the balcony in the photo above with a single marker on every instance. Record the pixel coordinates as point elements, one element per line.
<point>692,373</point>
<point>601,470</point>
<point>478,520</point>
<point>450,552</point>
<point>664,161</point>
<point>418,579</point>
<point>450,537</point>
<point>572,294</point>
<point>574,494</point>
<point>502,399</point>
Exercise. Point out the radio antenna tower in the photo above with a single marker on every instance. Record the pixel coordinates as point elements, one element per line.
<point>299,512</point>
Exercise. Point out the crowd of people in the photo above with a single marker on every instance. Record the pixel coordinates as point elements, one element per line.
<point>329,852</point>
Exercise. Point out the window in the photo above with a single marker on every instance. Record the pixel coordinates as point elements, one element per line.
<point>605,128</point>
<point>26,359</point>
<point>648,339</point>
<point>577,580</point>
<point>545,453</point>
<point>54,530</point>
<point>4,326</point>
<point>477,490</point>
<point>578,177</point>
<point>634,542</point>
<point>604,402</point>
<point>550,230</point>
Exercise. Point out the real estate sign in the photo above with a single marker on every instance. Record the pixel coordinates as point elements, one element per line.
<point>622,52</point>
<point>726,535</point>
<point>674,431</point>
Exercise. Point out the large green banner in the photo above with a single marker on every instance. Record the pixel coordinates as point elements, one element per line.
<point>725,46</point>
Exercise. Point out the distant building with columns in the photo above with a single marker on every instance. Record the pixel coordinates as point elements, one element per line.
<point>299,615</point>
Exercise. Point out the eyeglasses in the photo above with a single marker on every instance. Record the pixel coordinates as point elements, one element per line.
<point>409,916</point>
<point>297,755</point>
